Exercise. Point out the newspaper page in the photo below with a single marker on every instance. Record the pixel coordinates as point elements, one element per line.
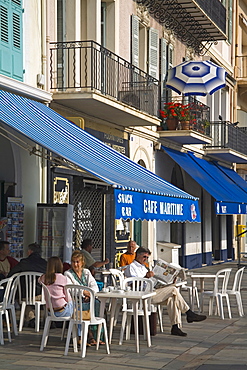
<point>165,272</point>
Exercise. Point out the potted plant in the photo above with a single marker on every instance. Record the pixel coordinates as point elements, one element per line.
<point>185,116</point>
<point>170,113</point>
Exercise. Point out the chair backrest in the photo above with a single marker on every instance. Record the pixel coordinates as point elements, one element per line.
<point>138,284</point>
<point>76,293</point>
<point>117,277</point>
<point>27,283</point>
<point>7,284</point>
<point>238,280</point>
<point>47,297</point>
<point>221,280</point>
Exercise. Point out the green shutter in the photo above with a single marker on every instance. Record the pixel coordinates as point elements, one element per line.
<point>11,49</point>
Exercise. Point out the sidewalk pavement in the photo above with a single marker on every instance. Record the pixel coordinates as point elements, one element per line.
<point>210,344</point>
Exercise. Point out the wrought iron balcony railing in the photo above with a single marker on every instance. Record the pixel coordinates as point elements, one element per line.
<point>86,65</point>
<point>215,10</point>
<point>199,113</point>
<point>197,23</point>
<point>241,66</point>
<point>227,135</point>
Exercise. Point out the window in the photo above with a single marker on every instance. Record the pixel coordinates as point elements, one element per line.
<point>166,62</point>
<point>11,51</point>
<point>228,5</point>
<point>103,24</point>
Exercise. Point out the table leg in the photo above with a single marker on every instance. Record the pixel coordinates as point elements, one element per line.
<point>102,306</point>
<point>135,311</point>
<point>112,317</point>
<point>193,293</point>
<point>146,321</point>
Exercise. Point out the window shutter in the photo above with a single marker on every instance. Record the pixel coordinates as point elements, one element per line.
<point>135,41</point>
<point>163,59</point>
<point>170,56</point>
<point>4,24</point>
<point>229,34</point>
<point>163,66</point>
<point>153,52</point>
<point>11,51</point>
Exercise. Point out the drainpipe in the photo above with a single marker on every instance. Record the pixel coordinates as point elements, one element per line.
<point>43,41</point>
<point>44,14</point>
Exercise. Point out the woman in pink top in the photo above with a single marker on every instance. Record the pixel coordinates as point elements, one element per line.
<point>55,282</point>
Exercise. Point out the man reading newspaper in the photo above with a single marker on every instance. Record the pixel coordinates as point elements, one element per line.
<point>166,295</point>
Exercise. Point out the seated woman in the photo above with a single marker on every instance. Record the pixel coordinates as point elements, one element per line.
<point>55,282</point>
<point>78,275</point>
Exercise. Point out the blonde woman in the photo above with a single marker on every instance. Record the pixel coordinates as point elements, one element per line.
<point>78,275</point>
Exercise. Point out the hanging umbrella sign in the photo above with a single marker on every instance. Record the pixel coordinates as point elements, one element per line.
<point>196,78</point>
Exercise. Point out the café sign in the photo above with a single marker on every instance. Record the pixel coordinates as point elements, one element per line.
<point>137,205</point>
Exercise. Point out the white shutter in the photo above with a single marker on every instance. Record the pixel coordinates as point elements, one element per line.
<point>135,41</point>
<point>170,56</point>
<point>163,59</point>
<point>153,50</point>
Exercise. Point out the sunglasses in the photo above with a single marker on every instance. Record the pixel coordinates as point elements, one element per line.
<point>145,257</point>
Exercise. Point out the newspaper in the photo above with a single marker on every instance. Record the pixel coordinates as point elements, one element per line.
<point>165,272</point>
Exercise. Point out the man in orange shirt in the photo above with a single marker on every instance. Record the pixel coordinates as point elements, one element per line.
<point>128,257</point>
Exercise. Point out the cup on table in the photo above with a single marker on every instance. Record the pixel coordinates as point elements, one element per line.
<point>105,290</point>
<point>111,288</point>
<point>128,289</point>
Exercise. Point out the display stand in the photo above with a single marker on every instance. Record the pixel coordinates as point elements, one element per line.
<point>55,230</point>
<point>14,234</point>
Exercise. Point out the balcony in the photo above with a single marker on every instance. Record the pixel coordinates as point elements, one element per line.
<point>229,142</point>
<point>96,82</point>
<point>241,70</point>
<point>197,130</point>
<point>197,23</point>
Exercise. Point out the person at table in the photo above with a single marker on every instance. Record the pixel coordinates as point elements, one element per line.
<point>56,282</point>
<point>79,275</point>
<point>128,257</point>
<point>33,262</point>
<point>6,261</point>
<point>90,262</point>
<point>167,295</point>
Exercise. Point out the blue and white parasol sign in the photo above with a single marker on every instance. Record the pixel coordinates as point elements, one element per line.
<point>196,78</point>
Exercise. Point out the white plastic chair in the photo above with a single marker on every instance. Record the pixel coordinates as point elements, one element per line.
<point>236,290</point>
<point>4,310</point>
<point>76,293</point>
<point>219,292</point>
<point>135,284</point>
<point>117,280</point>
<point>30,281</point>
<point>11,301</point>
<point>117,277</point>
<point>188,288</point>
<point>51,317</point>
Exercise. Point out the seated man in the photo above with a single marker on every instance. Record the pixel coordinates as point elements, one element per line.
<point>6,262</point>
<point>168,295</point>
<point>128,257</point>
<point>34,262</point>
<point>90,263</point>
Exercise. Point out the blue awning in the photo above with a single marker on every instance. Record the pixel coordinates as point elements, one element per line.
<point>223,184</point>
<point>139,193</point>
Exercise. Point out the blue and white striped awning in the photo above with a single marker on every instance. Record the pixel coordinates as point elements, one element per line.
<point>52,131</point>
